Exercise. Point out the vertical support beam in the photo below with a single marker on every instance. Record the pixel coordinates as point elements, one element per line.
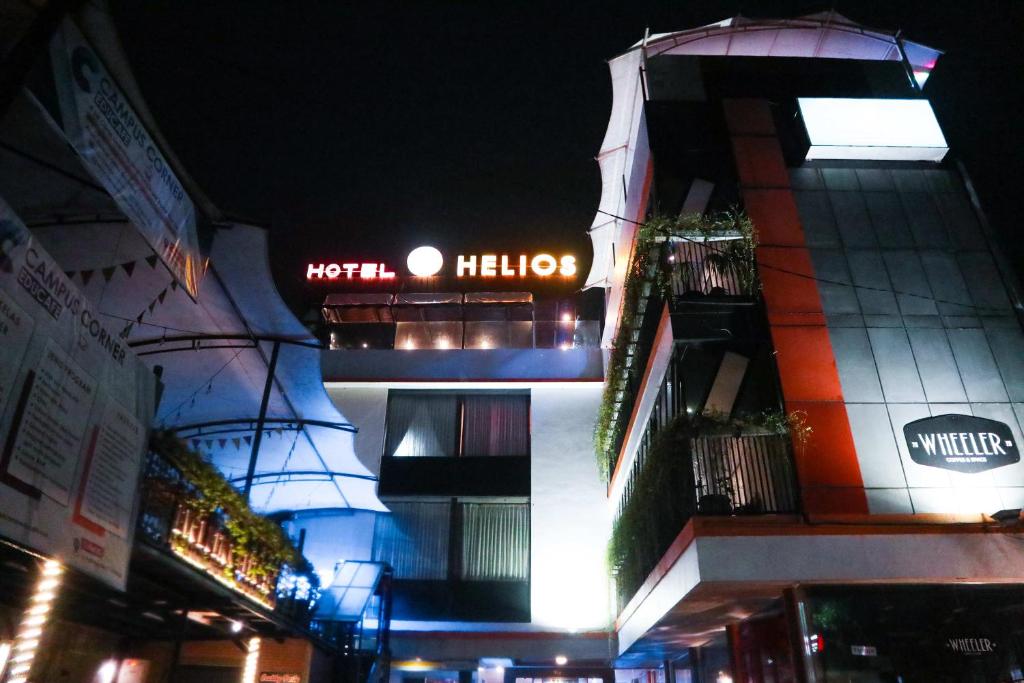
<point>179,638</point>
<point>734,641</point>
<point>261,420</point>
<point>803,661</point>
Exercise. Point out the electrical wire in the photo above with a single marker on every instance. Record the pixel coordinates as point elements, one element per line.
<point>207,383</point>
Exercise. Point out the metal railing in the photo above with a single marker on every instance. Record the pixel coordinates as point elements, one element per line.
<point>628,385</point>
<point>700,268</point>
<point>695,272</point>
<point>679,472</point>
<point>168,521</point>
<point>743,474</point>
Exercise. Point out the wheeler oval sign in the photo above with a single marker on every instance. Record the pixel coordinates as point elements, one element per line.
<point>961,443</point>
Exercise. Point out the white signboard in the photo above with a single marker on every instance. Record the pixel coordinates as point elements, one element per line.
<point>113,144</point>
<point>74,410</point>
<point>875,129</point>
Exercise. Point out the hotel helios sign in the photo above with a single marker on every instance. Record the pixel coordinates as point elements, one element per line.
<point>961,443</point>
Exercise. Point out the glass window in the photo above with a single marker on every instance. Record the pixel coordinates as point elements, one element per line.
<point>495,425</point>
<point>413,539</point>
<point>440,424</point>
<point>422,424</point>
<point>495,542</point>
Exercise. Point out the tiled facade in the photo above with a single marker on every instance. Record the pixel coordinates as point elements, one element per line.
<point>920,322</point>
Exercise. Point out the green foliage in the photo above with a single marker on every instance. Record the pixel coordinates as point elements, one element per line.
<point>648,274</point>
<point>663,495</point>
<point>251,534</point>
<point>661,501</point>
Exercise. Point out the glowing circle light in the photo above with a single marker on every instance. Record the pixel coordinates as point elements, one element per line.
<point>425,261</point>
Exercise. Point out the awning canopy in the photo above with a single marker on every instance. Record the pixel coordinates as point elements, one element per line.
<point>215,356</point>
<point>827,35</point>
<point>215,353</point>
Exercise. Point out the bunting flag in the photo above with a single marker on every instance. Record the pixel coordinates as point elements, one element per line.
<point>108,272</point>
<point>174,284</point>
<point>162,295</point>
<point>248,440</point>
<point>238,442</point>
<point>127,331</point>
<point>209,443</point>
<point>222,442</point>
<point>195,444</point>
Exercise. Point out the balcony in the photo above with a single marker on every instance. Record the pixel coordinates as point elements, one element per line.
<point>190,512</point>
<point>703,268</point>
<point>691,460</point>
<point>454,321</point>
<point>677,476</point>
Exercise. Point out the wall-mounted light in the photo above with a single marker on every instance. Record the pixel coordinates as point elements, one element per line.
<point>561,660</point>
<point>33,621</point>
<point>236,626</point>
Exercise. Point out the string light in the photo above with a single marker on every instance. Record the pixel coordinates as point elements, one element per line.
<point>252,659</point>
<point>30,631</point>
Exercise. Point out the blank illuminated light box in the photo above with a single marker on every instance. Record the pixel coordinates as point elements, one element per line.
<point>872,129</point>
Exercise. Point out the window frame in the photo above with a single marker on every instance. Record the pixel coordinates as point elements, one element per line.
<point>460,418</point>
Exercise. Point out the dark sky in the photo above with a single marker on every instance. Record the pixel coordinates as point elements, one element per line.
<point>362,130</point>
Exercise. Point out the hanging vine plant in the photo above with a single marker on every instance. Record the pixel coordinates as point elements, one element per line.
<point>649,274</point>
<point>252,535</point>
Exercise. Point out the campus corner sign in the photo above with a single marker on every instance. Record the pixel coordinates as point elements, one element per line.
<point>75,408</point>
<point>961,443</point>
<point>114,145</point>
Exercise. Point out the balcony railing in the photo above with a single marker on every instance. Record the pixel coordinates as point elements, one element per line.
<point>699,268</point>
<point>684,476</point>
<point>686,466</point>
<point>172,518</point>
<point>683,270</point>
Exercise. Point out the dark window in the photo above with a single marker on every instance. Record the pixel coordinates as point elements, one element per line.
<point>441,424</point>
<point>457,541</point>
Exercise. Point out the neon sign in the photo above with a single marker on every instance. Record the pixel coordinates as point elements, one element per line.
<point>492,265</point>
<point>348,271</point>
<point>427,261</point>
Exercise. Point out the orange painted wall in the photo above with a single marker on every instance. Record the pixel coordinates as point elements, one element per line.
<point>827,467</point>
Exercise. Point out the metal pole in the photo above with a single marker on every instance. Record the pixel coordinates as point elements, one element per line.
<point>261,420</point>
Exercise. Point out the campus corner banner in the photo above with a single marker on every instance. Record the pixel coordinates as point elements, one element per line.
<point>75,409</point>
<point>114,145</point>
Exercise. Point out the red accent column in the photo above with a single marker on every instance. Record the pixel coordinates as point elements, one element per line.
<point>827,467</point>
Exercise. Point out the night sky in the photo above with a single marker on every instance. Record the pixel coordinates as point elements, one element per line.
<point>361,131</point>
